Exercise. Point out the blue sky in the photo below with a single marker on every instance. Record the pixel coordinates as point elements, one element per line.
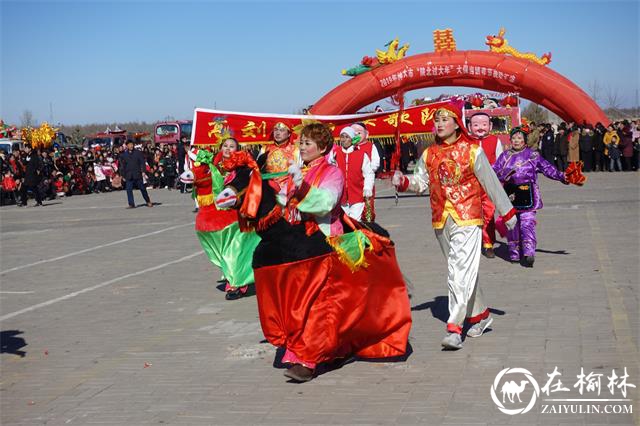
<point>121,61</point>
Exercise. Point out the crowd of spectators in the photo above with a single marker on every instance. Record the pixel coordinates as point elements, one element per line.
<point>614,148</point>
<point>63,172</point>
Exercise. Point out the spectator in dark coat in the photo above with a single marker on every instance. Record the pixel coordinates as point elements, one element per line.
<point>169,171</point>
<point>586,148</point>
<point>547,144</point>
<point>32,177</point>
<point>181,155</point>
<point>561,148</point>
<point>626,145</point>
<point>389,149</point>
<point>131,167</point>
<point>600,160</point>
<point>407,153</point>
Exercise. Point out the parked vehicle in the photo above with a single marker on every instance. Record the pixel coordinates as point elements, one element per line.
<point>172,131</point>
<point>108,139</point>
<point>9,145</point>
<point>114,138</point>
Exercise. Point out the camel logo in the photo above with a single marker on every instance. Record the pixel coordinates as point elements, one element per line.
<point>512,390</point>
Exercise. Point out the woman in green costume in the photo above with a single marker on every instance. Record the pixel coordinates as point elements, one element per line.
<point>218,231</point>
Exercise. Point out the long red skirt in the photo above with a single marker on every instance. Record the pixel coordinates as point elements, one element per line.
<point>320,310</point>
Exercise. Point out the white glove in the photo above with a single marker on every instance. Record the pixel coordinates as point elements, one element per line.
<point>226,199</point>
<point>367,193</point>
<point>397,178</point>
<point>511,223</point>
<point>296,174</point>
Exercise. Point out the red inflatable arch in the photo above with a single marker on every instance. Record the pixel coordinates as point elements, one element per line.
<point>471,68</point>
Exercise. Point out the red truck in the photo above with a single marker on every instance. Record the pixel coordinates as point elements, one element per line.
<point>113,138</point>
<point>172,131</point>
<point>106,139</point>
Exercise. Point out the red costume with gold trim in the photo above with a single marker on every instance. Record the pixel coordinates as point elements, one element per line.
<point>457,173</point>
<point>455,190</point>
<point>279,156</point>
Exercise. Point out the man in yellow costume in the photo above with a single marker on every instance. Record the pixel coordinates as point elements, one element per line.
<point>277,157</point>
<point>456,171</point>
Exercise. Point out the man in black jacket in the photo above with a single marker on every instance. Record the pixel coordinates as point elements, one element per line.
<point>132,165</point>
<point>547,144</point>
<point>32,177</point>
<point>586,148</point>
<point>561,150</point>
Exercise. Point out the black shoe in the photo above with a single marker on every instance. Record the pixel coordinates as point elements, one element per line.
<point>234,294</point>
<point>38,205</point>
<point>299,373</point>
<point>195,210</point>
<point>488,253</point>
<point>528,261</point>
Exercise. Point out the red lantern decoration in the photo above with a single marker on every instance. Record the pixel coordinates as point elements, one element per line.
<point>477,101</point>
<point>510,101</point>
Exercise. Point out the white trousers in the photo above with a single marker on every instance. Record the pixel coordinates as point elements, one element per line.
<point>354,210</point>
<point>461,246</point>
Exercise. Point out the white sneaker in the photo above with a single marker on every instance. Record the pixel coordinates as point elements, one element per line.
<point>452,341</point>
<point>477,329</point>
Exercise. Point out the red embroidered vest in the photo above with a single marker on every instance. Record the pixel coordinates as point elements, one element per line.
<point>351,166</point>
<point>454,188</point>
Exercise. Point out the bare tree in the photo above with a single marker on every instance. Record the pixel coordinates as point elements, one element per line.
<point>535,113</point>
<point>595,90</point>
<point>613,98</point>
<point>77,135</point>
<point>26,119</point>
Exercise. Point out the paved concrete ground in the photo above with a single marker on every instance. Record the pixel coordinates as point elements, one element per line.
<point>111,316</point>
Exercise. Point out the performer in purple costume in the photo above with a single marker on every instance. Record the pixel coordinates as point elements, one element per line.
<point>518,170</point>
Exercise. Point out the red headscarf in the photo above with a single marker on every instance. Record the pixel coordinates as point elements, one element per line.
<point>453,110</point>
